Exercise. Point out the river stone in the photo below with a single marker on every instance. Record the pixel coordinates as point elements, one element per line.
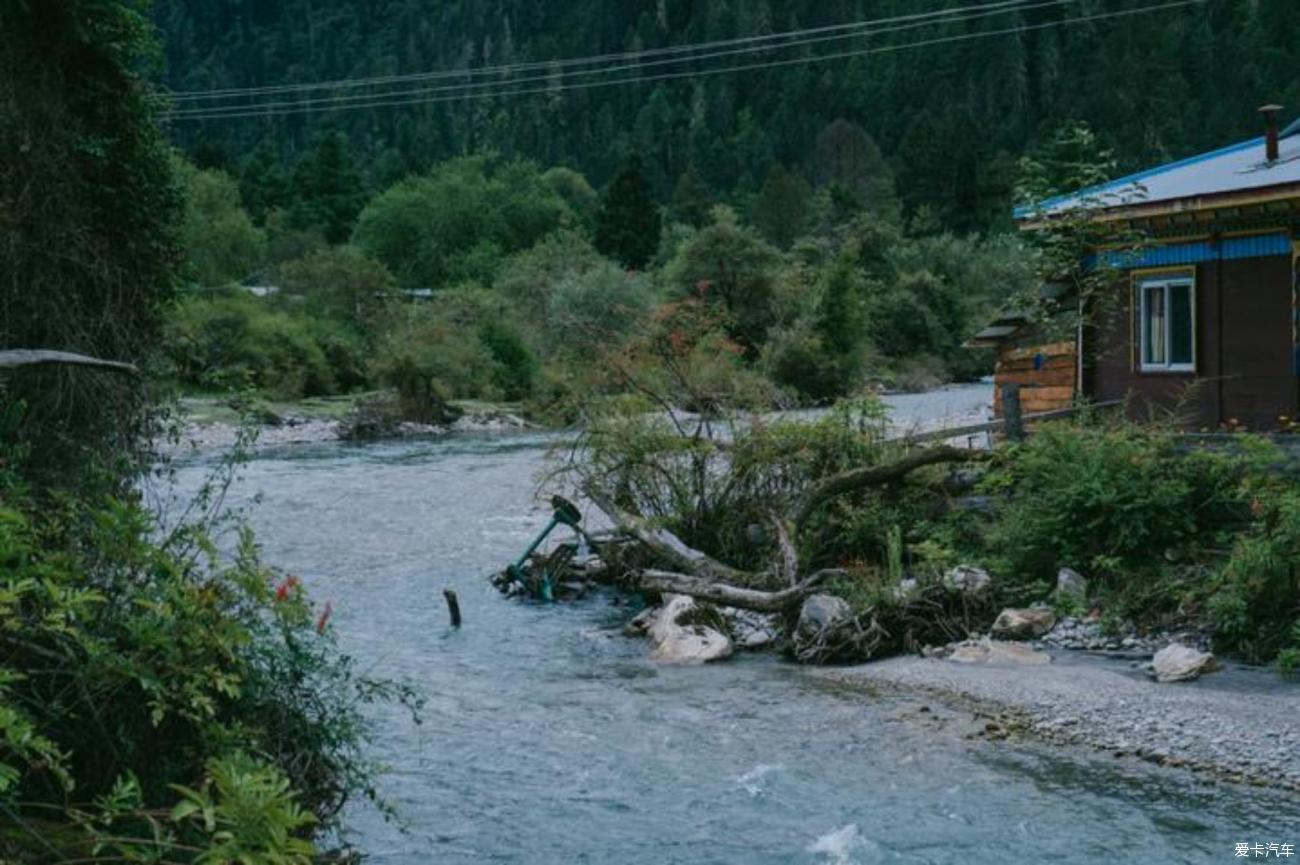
<point>988,651</point>
<point>751,630</point>
<point>1071,585</point>
<point>1026,624</point>
<point>1179,663</point>
<point>821,612</point>
<point>967,579</point>
<point>678,637</point>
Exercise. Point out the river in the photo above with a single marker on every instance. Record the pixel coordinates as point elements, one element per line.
<point>549,738</point>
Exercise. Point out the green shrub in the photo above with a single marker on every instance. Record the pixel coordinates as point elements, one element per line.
<point>1255,602</point>
<point>235,340</point>
<point>432,352</point>
<point>159,702</point>
<point>596,308</point>
<point>516,367</point>
<point>1120,503</point>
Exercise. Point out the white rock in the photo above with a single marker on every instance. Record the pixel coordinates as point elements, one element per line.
<point>967,579</point>
<point>676,641</point>
<point>1071,585</point>
<point>821,612</point>
<point>1026,624</point>
<point>1179,663</point>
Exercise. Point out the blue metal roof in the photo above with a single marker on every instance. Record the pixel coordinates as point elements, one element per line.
<point>1237,167</point>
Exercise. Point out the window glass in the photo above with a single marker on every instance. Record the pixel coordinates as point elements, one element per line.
<point>1153,323</point>
<point>1180,323</point>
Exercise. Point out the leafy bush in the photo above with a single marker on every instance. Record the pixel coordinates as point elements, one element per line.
<point>159,702</point>
<point>597,308</point>
<point>339,282</point>
<point>516,367</point>
<point>1118,502</point>
<point>235,340</point>
<point>1255,601</point>
<point>463,344</point>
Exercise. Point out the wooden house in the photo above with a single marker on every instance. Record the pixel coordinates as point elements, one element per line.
<point>1205,310</point>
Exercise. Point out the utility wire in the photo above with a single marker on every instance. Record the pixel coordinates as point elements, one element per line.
<point>466,89</point>
<point>386,100</point>
<point>182,96</point>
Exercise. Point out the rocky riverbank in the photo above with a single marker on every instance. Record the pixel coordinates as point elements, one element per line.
<point>1240,724</point>
<point>204,430</point>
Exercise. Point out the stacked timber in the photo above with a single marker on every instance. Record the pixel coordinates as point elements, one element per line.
<point>1045,373</point>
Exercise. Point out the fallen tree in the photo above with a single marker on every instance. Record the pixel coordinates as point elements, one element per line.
<point>701,576</point>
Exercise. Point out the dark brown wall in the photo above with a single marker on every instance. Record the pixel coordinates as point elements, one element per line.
<point>1243,313</point>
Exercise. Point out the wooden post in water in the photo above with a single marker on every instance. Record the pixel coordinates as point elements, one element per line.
<point>1013,422</point>
<point>453,607</point>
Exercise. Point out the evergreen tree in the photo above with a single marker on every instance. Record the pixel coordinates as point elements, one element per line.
<point>327,188</point>
<point>691,199</point>
<point>781,209</point>
<point>263,185</point>
<point>627,227</point>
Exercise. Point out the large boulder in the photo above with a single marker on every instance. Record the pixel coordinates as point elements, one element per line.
<point>821,613</point>
<point>1179,663</point>
<point>1023,624</point>
<point>1071,586</point>
<point>967,579</point>
<point>685,632</point>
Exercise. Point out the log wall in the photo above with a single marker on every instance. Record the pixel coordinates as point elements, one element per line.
<point>1046,373</point>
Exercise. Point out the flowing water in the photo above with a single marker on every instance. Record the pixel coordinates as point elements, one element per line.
<point>549,738</point>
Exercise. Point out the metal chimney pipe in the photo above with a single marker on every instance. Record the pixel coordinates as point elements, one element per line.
<point>1270,131</point>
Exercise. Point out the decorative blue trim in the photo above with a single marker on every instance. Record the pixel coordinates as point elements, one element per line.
<point>1254,246</point>
<point>1025,211</point>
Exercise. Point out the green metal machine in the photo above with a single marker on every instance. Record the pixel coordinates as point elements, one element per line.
<point>565,513</point>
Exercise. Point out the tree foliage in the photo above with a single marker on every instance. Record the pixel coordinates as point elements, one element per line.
<point>456,222</point>
<point>627,228</point>
<point>88,216</point>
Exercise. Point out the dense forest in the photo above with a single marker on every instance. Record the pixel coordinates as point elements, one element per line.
<point>950,117</point>
<point>840,222</point>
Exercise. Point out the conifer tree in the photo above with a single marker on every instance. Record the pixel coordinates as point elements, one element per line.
<point>627,228</point>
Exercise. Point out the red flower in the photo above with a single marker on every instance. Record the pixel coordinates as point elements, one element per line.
<point>324,617</point>
<point>288,585</point>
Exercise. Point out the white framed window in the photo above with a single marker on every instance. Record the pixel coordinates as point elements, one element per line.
<point>1167,324</point>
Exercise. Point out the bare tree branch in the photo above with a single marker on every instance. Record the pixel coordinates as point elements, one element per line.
<point>856,479</point>
<point>12,358</point>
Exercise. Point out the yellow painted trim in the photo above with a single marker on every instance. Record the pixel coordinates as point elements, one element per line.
<point>1168,270</point>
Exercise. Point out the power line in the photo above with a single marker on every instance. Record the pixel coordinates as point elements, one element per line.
<point>386,100</point>
<point>465,89</point>
<point>203,95</point>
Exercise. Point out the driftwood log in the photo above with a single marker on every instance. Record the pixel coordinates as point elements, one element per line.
<point>727,595</point>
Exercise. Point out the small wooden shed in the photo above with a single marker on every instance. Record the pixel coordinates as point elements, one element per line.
<point>1047,372</point>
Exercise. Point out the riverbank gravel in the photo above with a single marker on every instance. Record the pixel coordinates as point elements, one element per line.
<point>1241,724</point>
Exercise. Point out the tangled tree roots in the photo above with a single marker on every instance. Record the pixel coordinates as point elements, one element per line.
<point>931,615</point>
